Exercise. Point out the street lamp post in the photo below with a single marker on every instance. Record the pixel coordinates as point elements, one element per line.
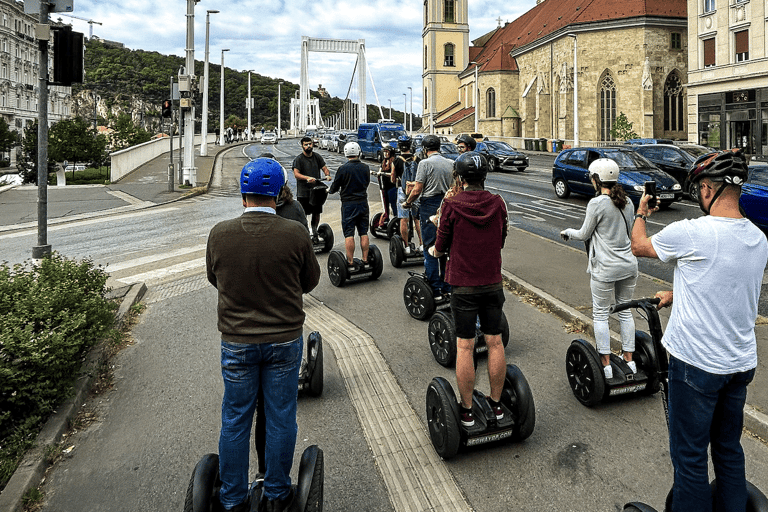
<point>575,93</point>
<point>405,111</point>
<point>190,171</point>
<point>221,102</point>
<point>278,109</point>
<point>249,103</point>
<point>390,109</point>
<point>204,128</point>
<point>411,116</point>
<point>477,94</point>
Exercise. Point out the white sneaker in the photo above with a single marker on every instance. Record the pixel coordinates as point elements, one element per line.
<point>421,248</point>
<point>608,372</point>
<point>407,251</point>
<point>632,366</point>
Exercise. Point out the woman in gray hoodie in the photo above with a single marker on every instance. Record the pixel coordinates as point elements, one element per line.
<point>612,266</point>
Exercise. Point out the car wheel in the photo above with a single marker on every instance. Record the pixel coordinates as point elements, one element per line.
<point>693,192</point>
<point>493,164</point>
<point>561,189</point>
<point>521,169</point>
<point>379,157</point>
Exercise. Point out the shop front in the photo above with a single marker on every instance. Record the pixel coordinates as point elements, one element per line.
<point>735,119</point>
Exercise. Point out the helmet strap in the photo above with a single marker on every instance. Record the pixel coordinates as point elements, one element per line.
<point>714,198</point>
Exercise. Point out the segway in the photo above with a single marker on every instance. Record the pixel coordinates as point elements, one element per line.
<point>449,435</point>
<point>323,242</point>
<point>442,337</point>
<point>311,372</point>
<point>419,299</point>
<point>756,500</point>
<point>390,227</point>
<point>339,271</point>
<point>397,255</point>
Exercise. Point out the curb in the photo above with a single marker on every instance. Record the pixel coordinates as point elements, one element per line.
<point>755,421</point>
<point>32,468</point>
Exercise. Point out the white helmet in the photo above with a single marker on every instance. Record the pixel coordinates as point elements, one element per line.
<point>352,149</point>
<point>606,170</point>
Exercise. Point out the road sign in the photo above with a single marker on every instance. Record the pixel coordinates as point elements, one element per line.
<point>33,6</point>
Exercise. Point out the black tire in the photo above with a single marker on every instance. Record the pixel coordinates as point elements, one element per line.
<point>325,231</point>
<point>693,191</point>
<point>584,373</point>
<point>756,500</point>
<point>379,156</point>
<point>493,163</point>
<point>393,227</point>
<point>418,298</point>
<point>337,268</point>
<point>375,222</point>
<point>442,338</point>
<point>204,485</point>
<point>636,506</point>
<point>645,356</point>
<point>396,251</point>
<point>309,485</point>
<point>377,260</point>
<point>443,418</point>
<point>315,364</point>
<point>561,188</point>
<point>521,169</point>
<point>518,398</point>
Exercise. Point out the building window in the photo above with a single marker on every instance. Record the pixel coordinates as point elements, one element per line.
<point>449,49</point>
<point>709,5</point>
<point>673,104</point>
<point>741,40</point>
<point>490,103</point>
<point>449,12</point>
<point>607,106</point>
<point>676,41</point>
<point>709,52</point>
<point>426,100</point>
<point>425,57</point>
<point>426,20</point>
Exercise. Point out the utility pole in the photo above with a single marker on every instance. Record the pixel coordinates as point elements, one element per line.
<point>278,108</point>
<point>190,171</point>
<point>411,116</point>
<point>42,249</point>
<point>171,168</point>
<point>221,106</point>
<point>249,103</point>
<point>204,130</point>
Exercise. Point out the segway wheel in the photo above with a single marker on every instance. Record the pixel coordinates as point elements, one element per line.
<point>442,338</point>
<point>325,231</point>
<point>636,506</point>
<point>309,487</point>
<point>203,490</point>
<point>443,418</point>
<point>584,373</point>
<point>315,364</point>
<point>377,260</point>
<point>756,500</point>
<point>418,298</point>
<point>375,225</point>
<point>518,398</point>
<point>393,227</point>
<point>646,358</point>
<point>396,251</point>
<point>337,268</point>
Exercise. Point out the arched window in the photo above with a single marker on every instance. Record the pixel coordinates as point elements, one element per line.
<point>490,103</point>
<point>607,106</point>
<point>449,51</point>
<point>449,11</point>
<point>673,104</point>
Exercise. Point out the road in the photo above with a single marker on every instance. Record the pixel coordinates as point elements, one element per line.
<point>163,414</point>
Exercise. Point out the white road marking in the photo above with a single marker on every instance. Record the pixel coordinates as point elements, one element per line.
<point>128,198</point>
<point>114,267</point>
<point>161,274</point>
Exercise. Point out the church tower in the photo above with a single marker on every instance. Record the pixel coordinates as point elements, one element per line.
<point>446,54</point>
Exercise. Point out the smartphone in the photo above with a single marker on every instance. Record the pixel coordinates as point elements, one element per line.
<point>650,189</point>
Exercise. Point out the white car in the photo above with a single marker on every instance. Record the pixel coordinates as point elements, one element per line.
<point>269,138</point>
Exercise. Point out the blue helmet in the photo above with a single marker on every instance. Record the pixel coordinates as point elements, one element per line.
<point>263,176</point>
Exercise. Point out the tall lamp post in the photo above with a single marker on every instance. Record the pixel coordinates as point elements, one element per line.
<point>477,95</point>
<point>405,111</point>
<point>204,128</point>
<point>249,103</point>
<point>390,109</point>
<point>411,116</point>
<point>575,93</point>
<point>221,102</point>
<point>278,109</point>
<point>189,170</point>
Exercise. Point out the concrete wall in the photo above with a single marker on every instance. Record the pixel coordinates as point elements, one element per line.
<point>126,160</point>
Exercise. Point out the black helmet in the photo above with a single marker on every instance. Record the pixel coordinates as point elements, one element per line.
<point>468,141</point>
<point>471,166</point>
<point>431,143</point>
<point>728,167</point>
<point>404,143</point>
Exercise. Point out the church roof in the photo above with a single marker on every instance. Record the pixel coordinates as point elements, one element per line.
<point>456,117</point>
<point>553,15</point>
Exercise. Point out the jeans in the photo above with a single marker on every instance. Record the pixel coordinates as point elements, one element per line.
<point>273,367</point>
<point>604,295</point>
<point>428,207</point>
<point>706,409</point>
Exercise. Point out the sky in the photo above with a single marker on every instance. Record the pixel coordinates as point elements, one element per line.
<point>266,36</point>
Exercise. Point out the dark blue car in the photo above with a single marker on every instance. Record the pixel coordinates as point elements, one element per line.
<point>754,196</point>
<point>570,174</point>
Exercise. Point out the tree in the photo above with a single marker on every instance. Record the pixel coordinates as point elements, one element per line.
<point>73,140</point>
<point>127,134</point>
<point>622,128</point>
<point>7,138</point>
<point>27,162</point>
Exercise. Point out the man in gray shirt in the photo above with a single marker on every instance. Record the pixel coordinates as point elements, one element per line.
<point>433,179</point>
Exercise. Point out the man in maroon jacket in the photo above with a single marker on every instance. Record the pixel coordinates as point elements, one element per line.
<point>473,227</point>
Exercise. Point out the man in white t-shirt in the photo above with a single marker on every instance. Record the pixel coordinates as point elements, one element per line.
<point>719,263</point>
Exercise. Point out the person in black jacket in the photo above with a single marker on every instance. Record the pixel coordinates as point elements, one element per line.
<point>352,180</point>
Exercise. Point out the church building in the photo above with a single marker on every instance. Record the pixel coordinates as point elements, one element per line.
<point>518,80</point>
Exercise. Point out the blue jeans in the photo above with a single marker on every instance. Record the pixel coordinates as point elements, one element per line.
<point>427,208</point>
<point>274,367</point>
<point>706,409</point>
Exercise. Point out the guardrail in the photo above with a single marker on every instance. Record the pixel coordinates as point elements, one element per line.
<point>126,160</point>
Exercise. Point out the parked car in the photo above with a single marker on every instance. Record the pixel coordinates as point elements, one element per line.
<point>754,196</point>
<point>636,142</point>
<point>502,156</point>
<point>269,138</point>
<point>449,150</point>
<point>325,140</point>
<point>76,167</point>
<point>570,174</point>
<point>675,161</point>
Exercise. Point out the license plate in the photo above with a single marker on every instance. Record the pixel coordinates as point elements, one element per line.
<point>517,162</point>
<point>666,196</point>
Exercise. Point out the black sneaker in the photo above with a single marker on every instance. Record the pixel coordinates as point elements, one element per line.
<point>467,417</point>
<point>315,239</point>
<point>496,408</point>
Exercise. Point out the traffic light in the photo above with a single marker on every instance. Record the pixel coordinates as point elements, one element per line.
<point>67,57</point>
<point>167,108</point>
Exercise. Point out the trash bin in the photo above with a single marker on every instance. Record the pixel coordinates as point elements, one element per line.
<point>550,145</point>
<point>527,144</point>
<point>542,144</point>
<point>536,146</point>
<point>559,143</point>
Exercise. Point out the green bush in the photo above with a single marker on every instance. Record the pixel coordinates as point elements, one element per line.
<point>88,176</point>
<point>50,315</point>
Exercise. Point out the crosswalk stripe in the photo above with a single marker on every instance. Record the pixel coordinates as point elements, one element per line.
<point>144,260</point>
<point>154,276</point>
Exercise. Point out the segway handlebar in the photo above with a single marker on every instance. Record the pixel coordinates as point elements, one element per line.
<point>645,303</point>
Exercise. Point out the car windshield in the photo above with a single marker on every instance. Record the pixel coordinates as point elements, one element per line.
<point>628,159</point>
<point>758,176</point>
<point>695,151</point>
<point>499,146</point>
<point>390,135</point>
<point>448,147</point>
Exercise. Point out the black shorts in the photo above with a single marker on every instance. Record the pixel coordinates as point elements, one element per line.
<point>468,307</point>
<point>308,208</point>
<point>354,215</point>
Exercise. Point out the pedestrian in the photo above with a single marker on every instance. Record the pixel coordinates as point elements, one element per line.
<point>433,179</point>
<point>404,176</point>
<point>610,263</point>
<point>307,167</point>
<point>386,185</point>
<point>473,227</point>
<point>719,263</point>
<point>466,143</point>
<point>352,181</point>
<point>261,265</point>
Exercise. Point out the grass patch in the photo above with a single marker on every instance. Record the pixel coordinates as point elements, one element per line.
<point>89,176</point>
